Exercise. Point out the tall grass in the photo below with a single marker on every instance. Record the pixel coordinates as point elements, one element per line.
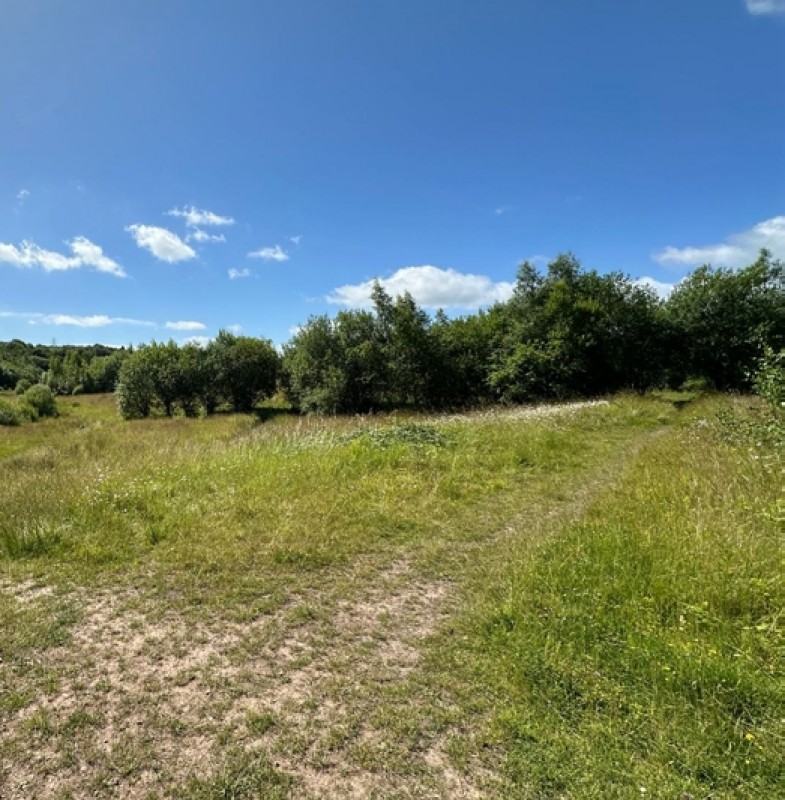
<point>637,653</point>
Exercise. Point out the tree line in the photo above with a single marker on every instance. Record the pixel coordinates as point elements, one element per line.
<point>565,332</point>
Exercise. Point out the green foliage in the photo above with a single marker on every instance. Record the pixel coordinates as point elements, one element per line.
<point>336,366</point>
<point>574,332</point>
<point>696,385</point>
<point>8,414</point>
<point>28,411</point>
<point>246,369</point>
<point>134,391</point>
<point>59,367</point>
<point>41,398</point>
<point>719,318</point>
<point>103,371</point>
<point>164,377</point>
<point>769,379</point>
<point>22,385</point>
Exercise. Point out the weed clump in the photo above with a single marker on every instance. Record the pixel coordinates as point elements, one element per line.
<point>415,434</point>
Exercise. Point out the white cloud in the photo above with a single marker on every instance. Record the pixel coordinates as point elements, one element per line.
<point>270,254</point>
<point>185,325</point>
<point>295,239</point>
<point>661,289</point>
<point>235,329</point>
<point>239,273</point>
<point>202,237</point>
<point>84,254</point>
<point>738,250</point>
<point>431,287</point>
<point>22,194</point>
<point>759,7</point>
<point>93,321</point>
<point>195,217</point>
<point>501,210</point>
<point>162,243</point>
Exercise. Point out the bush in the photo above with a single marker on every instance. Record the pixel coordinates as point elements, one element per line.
<point>697,385</point>
<point>40,397</point>
<point>8,414</point>
<point>22,385</point>
<point>28,412</point>
<point>769,380</point>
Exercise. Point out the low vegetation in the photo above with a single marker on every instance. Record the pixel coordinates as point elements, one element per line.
<point>562,601</point>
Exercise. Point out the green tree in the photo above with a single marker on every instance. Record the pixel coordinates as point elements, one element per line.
<point>134,391</point>
<point>573,332</point>
<point>246,369</point>
<point>313,372</point>
<point>722,317</point>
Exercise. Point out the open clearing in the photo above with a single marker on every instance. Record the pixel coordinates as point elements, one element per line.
<point>577,601</point>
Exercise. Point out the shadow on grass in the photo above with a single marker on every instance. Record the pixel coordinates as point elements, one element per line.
<point>265,413</point>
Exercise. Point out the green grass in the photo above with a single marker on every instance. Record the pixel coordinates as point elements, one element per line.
<point>566,604</point>
<point>641,648</point>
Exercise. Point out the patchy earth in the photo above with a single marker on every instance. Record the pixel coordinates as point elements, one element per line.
<point>139,697</point>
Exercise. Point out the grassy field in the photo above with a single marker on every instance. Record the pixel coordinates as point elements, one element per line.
<point>576,602</point>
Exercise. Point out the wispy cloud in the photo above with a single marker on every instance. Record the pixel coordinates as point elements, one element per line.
<point>431,287</point>
<point>738,250</point>
<point>84,253</point>
<point>501,210</point>
<point>235,329</point>
<point>295,239</point>
<point>22,194</point>
<point>162,243</point>
<point>202,237</point>
<point>185,325</point>
<point>239,273</point>
<point>760,7</point>
<point>270,254</point>
<point>660,288</point>
<point>199,217</point>
<point>92,321</point>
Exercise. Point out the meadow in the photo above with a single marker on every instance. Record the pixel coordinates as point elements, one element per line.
<point>578,601</point>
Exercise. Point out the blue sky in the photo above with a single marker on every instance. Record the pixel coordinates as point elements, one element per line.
<point>171,167</point>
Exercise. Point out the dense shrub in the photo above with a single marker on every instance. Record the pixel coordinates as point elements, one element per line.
<point>8,414</point>
<point>23,385</point>
<point>42,399</point>
<point>28,411</point>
